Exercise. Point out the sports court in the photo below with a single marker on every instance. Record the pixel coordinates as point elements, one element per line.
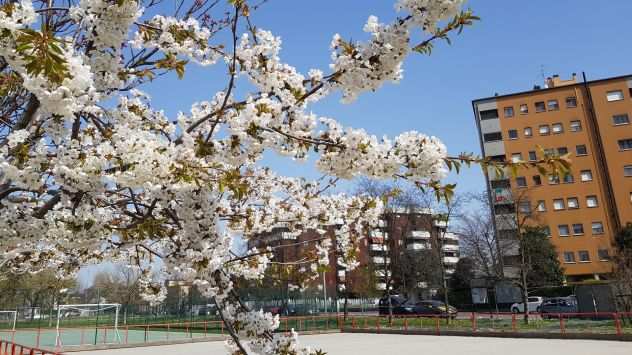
<point>378,344</point>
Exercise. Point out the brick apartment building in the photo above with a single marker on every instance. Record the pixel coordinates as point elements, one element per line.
<point>379,251</point>
<point>583,210</point>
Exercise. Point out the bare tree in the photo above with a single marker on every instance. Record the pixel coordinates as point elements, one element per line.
<point>119,285</point>
<point>477,237</point>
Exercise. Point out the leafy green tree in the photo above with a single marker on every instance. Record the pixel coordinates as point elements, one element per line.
<point>543,265</point>
<point>460,281</point>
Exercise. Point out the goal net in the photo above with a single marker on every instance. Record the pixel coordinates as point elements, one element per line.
<point>8,319</point>
<point>103,316</point>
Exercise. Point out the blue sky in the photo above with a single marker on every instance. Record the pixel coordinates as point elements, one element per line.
<point>505,52</point>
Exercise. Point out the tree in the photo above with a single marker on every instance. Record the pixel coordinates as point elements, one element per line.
<point>92,170</point>
<point>416,267</point>
<point>478,239</point>
<point>524,244</point>
<point>119,285</point>
<point>543,265</point>
<point>43,290</point>
<point>459,282</point>
<point>622,270</point>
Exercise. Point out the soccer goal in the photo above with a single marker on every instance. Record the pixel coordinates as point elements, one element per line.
<point>88,310</point>
<point>10,318</point>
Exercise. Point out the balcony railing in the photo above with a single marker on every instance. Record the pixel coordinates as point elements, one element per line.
<point>419,234</point>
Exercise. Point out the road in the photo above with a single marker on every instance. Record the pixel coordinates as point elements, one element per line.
<point>378,344</point>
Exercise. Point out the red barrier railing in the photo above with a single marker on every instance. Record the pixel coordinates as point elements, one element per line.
<point>618,324</point>
<point>10,348</point>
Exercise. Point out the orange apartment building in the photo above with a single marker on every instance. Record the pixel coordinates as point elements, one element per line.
<point>590,120</point>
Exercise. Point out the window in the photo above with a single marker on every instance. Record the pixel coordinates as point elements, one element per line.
<point>572,203</point>
<point>489,114</point>
<point>625,144</point>
<point>563,230</point>
<point>532,155</point>
<point>544,130</point>
<point>584,257</point>
<point>558,128</point>
<point>581,150</point>
<point>524,207</point>
<point>597,228</point>
<point>528,132</point>
<point>524,109</point>
<point>491,137</point>
<point>540,107</point>
<point>521,181</point>
<point>576,126</point>
<point>578,229</point>
<point>562,150</point>
<point>627,170</point>
<point>591,201</point>
<point>569,257</point>
<point>553,105</point>
<point>616,95</point>
<point>541,206</point>
<point>558,204</point>
<point>604,255</point>
<point>537,181</point>
<point>619,120</point>
<point>509,112</point>
<point>516,157</point>
<point>568,178</point>
<point>586,175</point>
<point>554,179</point>
<point>513,134</point>
<point>571,102</point>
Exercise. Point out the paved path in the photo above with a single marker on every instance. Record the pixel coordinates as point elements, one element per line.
<point>378,344</point>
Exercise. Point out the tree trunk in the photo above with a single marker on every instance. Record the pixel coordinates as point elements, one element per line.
<point>525,289</point>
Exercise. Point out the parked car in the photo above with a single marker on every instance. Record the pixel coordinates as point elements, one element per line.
<point>553,307</point>
<point>282,310</point>
<point>399,305</point>
<point>207,310</point>
<point>533,305</point>
<point>435,308</point>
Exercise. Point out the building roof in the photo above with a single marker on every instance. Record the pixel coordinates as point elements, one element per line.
<point>551,89</point>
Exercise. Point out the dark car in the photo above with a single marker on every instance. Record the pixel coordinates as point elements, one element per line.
<point>554,307</point>
<point>282,310</point>
<point>399,305</point>
<point>435,308</point>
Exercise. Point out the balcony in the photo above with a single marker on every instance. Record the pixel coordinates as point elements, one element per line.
<point>450,236</point>
<point>417,246</point>
<point>440,224</point>
<point>289,236</point>
<point>450,259</point>
<point>378,247</point>
<point>418,234</point>
<point>505,222</point>
<point>380,286</point>
<point>382,273</point>
<point>502,196</point>
<point>450,247</point>
<point>381,260</point>
<point>376,233</point>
